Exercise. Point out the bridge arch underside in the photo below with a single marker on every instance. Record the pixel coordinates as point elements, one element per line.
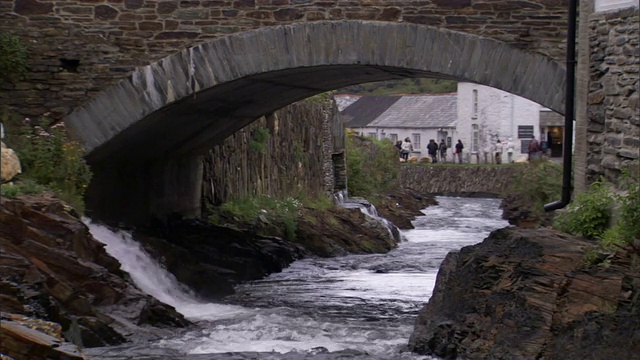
<point>183,105</point>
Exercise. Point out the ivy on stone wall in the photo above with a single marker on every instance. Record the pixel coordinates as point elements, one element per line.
<point>13,58</point>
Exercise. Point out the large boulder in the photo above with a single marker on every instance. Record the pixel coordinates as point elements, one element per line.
<point>52,268</point>
<point>10,164</point>
<point>525,294</point>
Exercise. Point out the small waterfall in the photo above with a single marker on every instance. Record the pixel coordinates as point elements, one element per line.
<point>342,198</point>
<point>152,278</point>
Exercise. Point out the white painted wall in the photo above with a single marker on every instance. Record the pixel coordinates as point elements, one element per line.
<point>498,116</point>
<point>605,5</point>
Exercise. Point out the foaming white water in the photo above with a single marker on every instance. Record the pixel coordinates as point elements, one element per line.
<point>270,331</point>
<point>365,303</point>
<point>153,279</point>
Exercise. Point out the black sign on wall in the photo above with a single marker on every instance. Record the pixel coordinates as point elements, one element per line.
<point>525,132</point>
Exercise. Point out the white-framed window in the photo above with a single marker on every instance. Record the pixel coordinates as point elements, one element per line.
<point>393,138</point>
<point>605,5</point>
<point>416,141</point>
<point>475,137</point>
<point>373,135</point>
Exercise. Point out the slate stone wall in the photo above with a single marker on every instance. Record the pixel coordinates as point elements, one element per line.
<point>303,153</point>
<point>613,133</point>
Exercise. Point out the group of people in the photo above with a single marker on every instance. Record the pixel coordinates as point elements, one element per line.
<point>434,149</point>
<point>438,152</point>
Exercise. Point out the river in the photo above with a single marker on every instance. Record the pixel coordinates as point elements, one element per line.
<point>351,307</point>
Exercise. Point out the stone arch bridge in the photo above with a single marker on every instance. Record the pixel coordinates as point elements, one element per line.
<point>148,85</point>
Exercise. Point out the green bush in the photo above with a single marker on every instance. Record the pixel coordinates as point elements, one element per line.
<point>589,214</point>
<point>537,183</point>
<point>372,166</point>
<point>49,158</point>
<point>13,58</point>
<point>25,187</point>
<point>248,210</point>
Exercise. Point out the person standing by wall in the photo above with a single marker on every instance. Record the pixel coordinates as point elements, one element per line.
<point>509,151</point>
<point>443,151</point>
<point>459,148</point>
<point>534,149</point>
<point>407,147</point>
<point>432,149</point>
<point>498,152</point>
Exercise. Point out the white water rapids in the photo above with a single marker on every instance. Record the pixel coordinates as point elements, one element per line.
<point>355,307</point>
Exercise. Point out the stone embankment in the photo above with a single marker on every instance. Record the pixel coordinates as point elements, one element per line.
<point>526,294</point>
<point>458,180</point>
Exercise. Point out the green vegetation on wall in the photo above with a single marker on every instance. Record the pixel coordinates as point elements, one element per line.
<point>372,166</point>
<point>48,158</point>
<point>259,140</point>
<point>13,58</point>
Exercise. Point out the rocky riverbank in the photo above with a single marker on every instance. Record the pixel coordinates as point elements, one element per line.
<point>52,269</point>
<point>526,294</point>
<point>54,274</point>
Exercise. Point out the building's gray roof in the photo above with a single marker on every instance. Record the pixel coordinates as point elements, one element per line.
<point>366,109</point>
<point>420,111</point>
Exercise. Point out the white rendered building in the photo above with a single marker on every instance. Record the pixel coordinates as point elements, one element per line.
<point>486,115</point>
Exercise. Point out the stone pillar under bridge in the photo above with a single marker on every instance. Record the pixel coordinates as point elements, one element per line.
<point>141,193</point>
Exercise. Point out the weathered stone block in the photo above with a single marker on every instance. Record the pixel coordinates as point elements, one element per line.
<point>133,4</point>
<point>32,7</point>
<point>390,14</point>
<point>191,14</point>
<point>315,16</point>
<point>150,26</point>
<point>105,12</point>
<point>244,4</point>
<point>260,15</point>
<point>287,14</point>
<point>172,35</point>
<point>167,7</point>
<point>452,3</point>
<point>630,154</point>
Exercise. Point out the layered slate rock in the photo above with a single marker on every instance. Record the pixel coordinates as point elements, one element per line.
<point>52,269</point>
<point>27,338</point>
<point>404,205</point>
<point>211,259</point>
<point>524,294</point>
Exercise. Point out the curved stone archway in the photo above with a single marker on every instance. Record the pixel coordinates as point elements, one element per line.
<point>188,101</point>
